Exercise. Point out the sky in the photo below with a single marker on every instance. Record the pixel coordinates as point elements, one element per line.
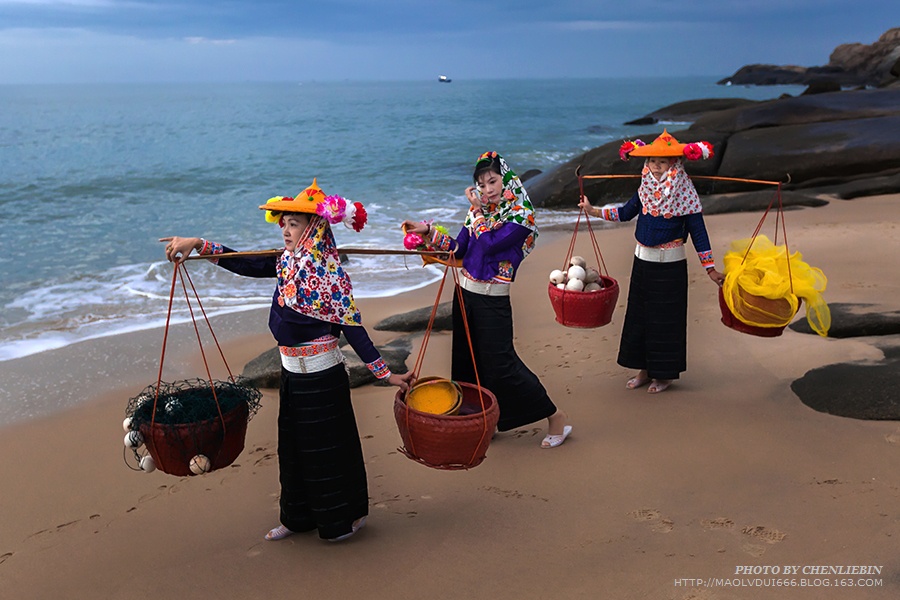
<point>88,41</point>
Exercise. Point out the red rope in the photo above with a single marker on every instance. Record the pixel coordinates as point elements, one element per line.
<point>779,222</point>
<point>212,386</point>
<point>421,356</point>
<point>176,276</point>
<point>462,309</point>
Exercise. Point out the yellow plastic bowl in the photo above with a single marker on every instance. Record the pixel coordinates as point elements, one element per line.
<point>435,395</point>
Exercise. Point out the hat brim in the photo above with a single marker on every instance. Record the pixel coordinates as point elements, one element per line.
<point>660,151</point>
<point>293,206</point>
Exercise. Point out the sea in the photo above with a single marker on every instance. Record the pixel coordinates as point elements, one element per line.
<point>91,176</point>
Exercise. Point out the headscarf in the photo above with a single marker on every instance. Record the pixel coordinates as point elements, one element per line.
<point>312,281</point>
<point>515,205</point>
<point>674,196</point>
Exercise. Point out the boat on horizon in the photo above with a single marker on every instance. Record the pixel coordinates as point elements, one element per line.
<point>444,79</point>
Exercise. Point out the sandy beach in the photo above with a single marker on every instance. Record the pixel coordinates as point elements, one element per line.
<point>696,493</point>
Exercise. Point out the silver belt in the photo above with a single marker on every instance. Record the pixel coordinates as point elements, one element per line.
<point>312,364</point>
<point>485,288</point>
<point>661,255</point>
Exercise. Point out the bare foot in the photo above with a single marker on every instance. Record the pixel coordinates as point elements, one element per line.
<point>659,385</point>
<point>641,379</point>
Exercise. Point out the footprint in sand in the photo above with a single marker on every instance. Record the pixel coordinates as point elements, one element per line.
<point>769,536</point>
<point>5,557</point>
<point>660,525</point>
<point>717,523</point>
<point>753,549</point>
<point>893,438</point>
<point>644,514</point>
<point>523,432</point>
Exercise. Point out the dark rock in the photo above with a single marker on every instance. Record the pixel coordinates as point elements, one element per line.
<point>394,354</point>
<point>849,65</point>
<point>265,370</point>
<point>841,106</point>
<point>756,201</point>
<point>839,136</point>
<point>529,174</point>
<point>643,121</point>
<point>837,147</point>
<point>761,74</point>
<point>417,320</point>
<point>855,187</point>
<point>856,390</point>
<point>856,320</point>
<point>822,86</point>
<point>691,110</point>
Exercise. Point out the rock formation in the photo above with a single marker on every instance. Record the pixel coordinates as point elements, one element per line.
<point>850,65</point>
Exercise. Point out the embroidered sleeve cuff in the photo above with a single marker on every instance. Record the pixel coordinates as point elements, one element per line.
<point>609,213</point>
<point>439,240</point>
<point>209,247</point>
<point>379,368</point>
<point>480,225</point>
<point>706,259</point>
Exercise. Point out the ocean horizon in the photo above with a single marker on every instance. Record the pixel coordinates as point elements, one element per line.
<point>94,174</point>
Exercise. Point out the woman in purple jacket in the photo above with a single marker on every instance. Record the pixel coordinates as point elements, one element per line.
<point>498,233</point>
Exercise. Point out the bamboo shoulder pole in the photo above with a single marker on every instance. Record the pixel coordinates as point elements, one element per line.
<point>275,252</point>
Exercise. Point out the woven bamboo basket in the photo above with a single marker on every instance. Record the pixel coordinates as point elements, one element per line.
<point>585,309</point>
<point>759,310</point>
<point>449,442</point>
<point>221,440</point>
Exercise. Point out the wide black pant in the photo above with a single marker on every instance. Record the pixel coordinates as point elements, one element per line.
<point>520,395</point>
<point>320,459</point>
<point>654,336</point>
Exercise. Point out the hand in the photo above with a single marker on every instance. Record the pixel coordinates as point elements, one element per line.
<point>402,381</point>
<point>473,197</point>
<point>178,248</point>
<point>585,205</point>
<point>415,227</point>
<point>718,278</point>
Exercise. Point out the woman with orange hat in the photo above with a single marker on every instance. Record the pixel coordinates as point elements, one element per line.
<point>320,460</point>
<point>668,210</point>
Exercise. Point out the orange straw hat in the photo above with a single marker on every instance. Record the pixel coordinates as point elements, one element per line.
<point>666,146</point>
<point>313,200</point>
<point>305,202</point>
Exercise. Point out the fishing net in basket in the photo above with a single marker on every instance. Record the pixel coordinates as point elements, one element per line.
<point>459,438</point>
<point>192,419</point>
<point>190,426</point>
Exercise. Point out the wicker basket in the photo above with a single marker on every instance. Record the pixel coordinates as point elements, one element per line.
<point>173,446</point>
<point>766,306</point>
<point>449,442</point>
<point>585,309</point>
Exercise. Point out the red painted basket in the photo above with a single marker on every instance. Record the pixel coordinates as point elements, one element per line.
<point>449,442</point>
<point>585,309</point>
<point>730,320</point>
<point>221,440</point>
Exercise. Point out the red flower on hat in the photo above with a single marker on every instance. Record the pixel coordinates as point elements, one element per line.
<point>693,152</point>
<point>627,147</point>
<point>360,217</point>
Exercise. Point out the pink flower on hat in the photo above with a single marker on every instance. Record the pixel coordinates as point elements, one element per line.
<point>332,209</point>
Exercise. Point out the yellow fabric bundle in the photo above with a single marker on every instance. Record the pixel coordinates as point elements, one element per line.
<point>758,289</point>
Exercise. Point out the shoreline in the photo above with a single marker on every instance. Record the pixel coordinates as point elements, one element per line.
<point>727,468</point>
